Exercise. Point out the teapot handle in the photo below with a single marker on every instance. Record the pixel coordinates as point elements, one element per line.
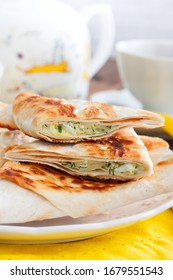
<point>106,34</point>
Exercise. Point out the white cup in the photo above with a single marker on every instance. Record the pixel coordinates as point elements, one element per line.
<point>146,68</point>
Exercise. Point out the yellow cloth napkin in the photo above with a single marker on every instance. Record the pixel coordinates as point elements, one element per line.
<point>168,127</point>
<point>150,239</point>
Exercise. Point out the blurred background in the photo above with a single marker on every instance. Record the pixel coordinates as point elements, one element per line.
<point>135,18</point>
<point>68,49</point>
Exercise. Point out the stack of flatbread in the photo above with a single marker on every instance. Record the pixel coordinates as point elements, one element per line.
<point>76,158</point>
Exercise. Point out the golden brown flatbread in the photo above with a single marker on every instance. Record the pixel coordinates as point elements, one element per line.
<point>122,156</point>
<point>59,120</point>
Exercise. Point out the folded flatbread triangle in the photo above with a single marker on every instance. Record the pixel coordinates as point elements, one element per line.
<point>59,120</point>
<point>122,156</point>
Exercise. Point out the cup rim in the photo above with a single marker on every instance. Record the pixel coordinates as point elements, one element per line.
<point>122,47</point>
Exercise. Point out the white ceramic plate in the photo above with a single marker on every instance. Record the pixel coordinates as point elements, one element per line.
<point>67,229</point>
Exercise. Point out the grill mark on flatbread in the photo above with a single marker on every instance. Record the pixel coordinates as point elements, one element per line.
<point>62,109</point>
<point>15,176</point>
<point>54,102</point>
<point>29,181</point>
<point>36,171</point>
<point>103,187</point>
<point>102,182</point>
<point>10,127</point>
<point>134,119</point>
<point>119,146</point>
<point>30,98</point>
<point>21,174</point>
<point>165,162</point>
<point>21,178</point>
<point>62,178</point>
<point>67,110</point>
<point>99,110</point>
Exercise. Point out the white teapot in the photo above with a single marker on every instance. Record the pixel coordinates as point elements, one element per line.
<point>45,47</point>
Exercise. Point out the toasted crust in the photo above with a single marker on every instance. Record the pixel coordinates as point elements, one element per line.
<point>31,111</point>
<point>60,108</point>
<point>77,109</point>
<point>123,146</point>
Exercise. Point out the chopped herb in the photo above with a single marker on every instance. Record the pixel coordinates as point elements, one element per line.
<point>59,128</point>
<point>69,164</point>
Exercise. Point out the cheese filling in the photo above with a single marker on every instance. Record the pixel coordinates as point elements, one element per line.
<point>75,129</point>
<point>105,168</point>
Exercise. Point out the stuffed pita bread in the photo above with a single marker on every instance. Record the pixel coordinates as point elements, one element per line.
<point>80,197</point>
<point>122,156</point>
<point>59,120</point>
